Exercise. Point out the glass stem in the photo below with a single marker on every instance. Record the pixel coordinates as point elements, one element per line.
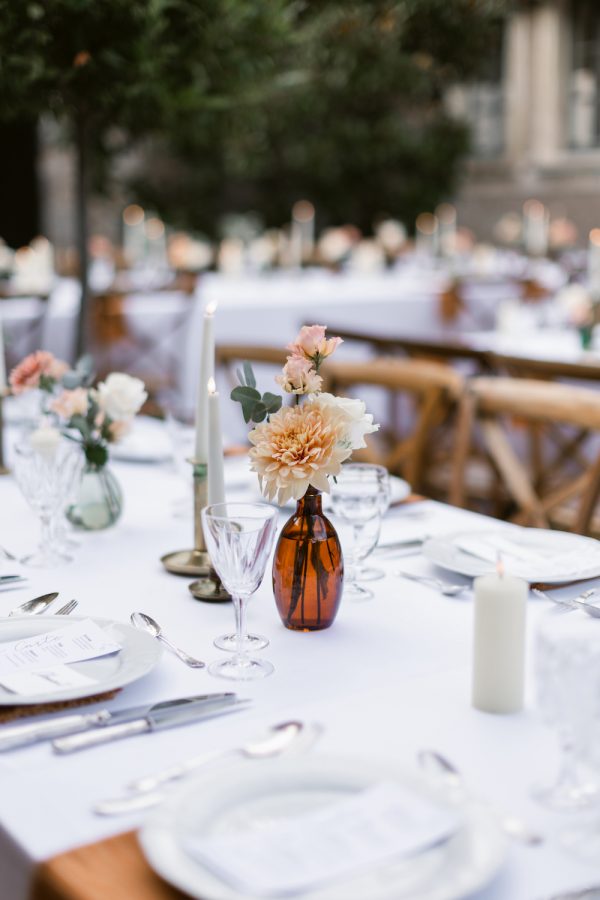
<point>568,776</point>
<point>239,605</point>
<point>46,536</point>
<point>357,530</point>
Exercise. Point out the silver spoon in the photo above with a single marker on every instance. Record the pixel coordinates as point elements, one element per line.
<point>447,589</point>
<point>35,606</point>
<point>574,602</point>
<point>279,739</point>
<point>147,623</point>
<point>438,765</point>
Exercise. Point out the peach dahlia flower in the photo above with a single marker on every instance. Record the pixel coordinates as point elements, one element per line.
<point>299,446</point>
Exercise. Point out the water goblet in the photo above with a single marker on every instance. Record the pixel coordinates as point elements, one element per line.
<point>567,665</point>
<point>239,538</point>
<point>360,495</point>
<point>45,478</point>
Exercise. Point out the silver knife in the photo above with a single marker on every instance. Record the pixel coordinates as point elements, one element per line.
<point>22,735</point>
<point>154,721</point>
<point>9,579</point>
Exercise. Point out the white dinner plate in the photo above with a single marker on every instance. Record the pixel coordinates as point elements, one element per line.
<point>581,554</point>
<point>147,442</point>
<point>139,654</point>
<point>250,795</point>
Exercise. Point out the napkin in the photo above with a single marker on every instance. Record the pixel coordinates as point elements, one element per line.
<point>378,825</point>
<point>524,557</point>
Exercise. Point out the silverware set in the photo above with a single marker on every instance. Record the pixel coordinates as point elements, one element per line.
<point>578,602</point>
<point>40,605</point>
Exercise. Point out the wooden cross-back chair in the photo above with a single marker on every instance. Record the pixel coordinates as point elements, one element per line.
<point>543,489</point>
<point>434,389</point>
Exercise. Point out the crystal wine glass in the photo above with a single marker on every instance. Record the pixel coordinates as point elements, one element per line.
<point>360,495</point>
<point>567,663</point>
<point>45,478</point>
<point>239,538</point>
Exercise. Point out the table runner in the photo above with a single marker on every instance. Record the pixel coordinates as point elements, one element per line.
<point>114,868</point>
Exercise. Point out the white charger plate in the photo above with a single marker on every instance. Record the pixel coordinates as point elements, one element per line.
<point>443,551</point>
<point>147,442</point>
<point>250,794</point>
<point>139,654</point>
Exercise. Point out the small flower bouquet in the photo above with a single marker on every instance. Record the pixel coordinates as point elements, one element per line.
<point>295,450</point>
<point>92,416</point>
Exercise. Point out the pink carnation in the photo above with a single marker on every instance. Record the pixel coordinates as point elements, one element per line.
<point>312,344</point>
<point>299,376</point>
<point>27,374</point>
<point>71,403</point>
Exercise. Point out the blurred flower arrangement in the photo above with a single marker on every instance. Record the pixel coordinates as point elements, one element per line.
<point>92,416</point>
<point>100,415</point>
<point>297,447</point>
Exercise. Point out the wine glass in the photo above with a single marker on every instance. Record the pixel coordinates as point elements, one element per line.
<point>45,478</point>
<point>239,538</point>
<point>360,495</point>
<point>567,663</point>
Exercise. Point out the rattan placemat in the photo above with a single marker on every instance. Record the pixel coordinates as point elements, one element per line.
<point>20,711</point>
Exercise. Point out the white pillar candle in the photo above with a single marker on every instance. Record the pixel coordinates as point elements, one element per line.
<point>535,228</point>
<point>2,361</point>
<point>207,370</point>
<point>216,474</point>
<point>499,643</point>
<point>594,264</point>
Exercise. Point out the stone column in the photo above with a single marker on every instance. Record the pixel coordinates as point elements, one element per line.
<point>517,86</point>
<point>549,79</point>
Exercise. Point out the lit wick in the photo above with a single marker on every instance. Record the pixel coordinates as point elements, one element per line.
<point>499,566</point>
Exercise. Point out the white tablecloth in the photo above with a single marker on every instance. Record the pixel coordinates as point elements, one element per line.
<point>391,676</point>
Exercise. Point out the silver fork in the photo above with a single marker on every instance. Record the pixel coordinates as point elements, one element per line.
<point>67,608</point>
<point>449,590</point>
<point>574,602</point>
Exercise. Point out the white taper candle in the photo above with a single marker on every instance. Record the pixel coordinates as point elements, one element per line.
<point>207,370</point>
<point>499,643</point>
<point>216,474</point>
<point>2,360</point>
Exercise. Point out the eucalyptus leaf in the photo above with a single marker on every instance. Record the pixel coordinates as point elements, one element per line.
<point>242,393</point>
<point>249,374</point>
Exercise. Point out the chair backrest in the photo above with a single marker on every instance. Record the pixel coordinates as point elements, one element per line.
<point>432,386</point>
<point>552,470</point>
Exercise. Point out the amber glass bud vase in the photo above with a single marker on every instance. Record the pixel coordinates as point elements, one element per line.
<point>308,569</point>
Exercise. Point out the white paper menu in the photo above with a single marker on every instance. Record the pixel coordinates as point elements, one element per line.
<point>72,643</point>
<point>376,826</point>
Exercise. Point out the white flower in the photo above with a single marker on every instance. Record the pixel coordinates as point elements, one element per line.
<point>121,396</point>
<point>358,422</point>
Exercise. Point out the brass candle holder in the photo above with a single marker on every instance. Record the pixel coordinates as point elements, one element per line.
<point>196,562</point>
<point>3,469</point>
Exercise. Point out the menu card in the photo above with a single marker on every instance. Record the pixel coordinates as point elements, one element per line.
<point>40,662</point>
<point>376,826</point>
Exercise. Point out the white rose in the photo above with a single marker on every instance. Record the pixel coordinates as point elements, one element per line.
<point>358,421</point>
<point>121,396</point>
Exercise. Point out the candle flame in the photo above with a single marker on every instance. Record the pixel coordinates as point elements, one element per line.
<point>499,566</point>
<point>133,214</point>
<point>212,388</point>
<point>426,223</point>
<point>211,307</point>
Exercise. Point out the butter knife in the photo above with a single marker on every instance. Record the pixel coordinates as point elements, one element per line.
<point>22,735</point>
<point>152,721</point>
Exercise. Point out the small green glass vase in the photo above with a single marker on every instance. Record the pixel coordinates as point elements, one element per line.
<point>98,501</point>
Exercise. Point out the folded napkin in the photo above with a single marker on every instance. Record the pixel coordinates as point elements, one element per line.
<point>528,559</point>
<point>376,826</point>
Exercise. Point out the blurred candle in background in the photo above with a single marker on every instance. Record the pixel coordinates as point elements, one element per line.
<point>216,475</point>
<point>426,235</point>
<point>594,264</point>
<point>134,234</point>
<point>302,232</point>
<point>3,384</point>
<point>207,371</point>
<point>446,216</point>
<point>535,228</point>
<point>156,236</point>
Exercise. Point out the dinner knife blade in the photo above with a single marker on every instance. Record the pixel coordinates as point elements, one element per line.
<point>172,719</point>
<point>15,736</point>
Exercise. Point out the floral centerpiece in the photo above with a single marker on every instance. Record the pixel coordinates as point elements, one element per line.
<point>295,451</point>
<point>92,416</point>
